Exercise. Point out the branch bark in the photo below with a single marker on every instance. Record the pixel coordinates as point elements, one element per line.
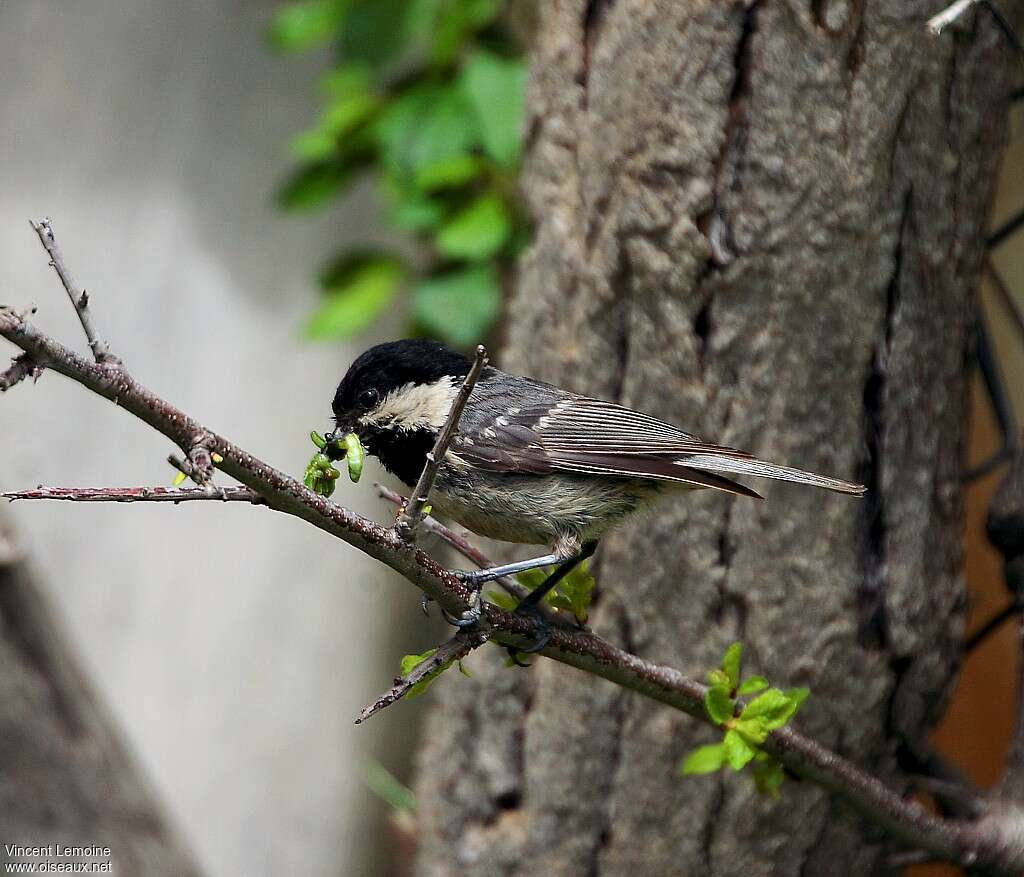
<point>137,494</point>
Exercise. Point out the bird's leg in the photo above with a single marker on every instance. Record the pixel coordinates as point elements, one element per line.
<point>477,577</point>
<point>528,606</point>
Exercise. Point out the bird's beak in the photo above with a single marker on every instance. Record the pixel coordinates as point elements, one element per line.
<point>338,432</point>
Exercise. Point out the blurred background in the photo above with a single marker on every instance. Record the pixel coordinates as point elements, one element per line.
<point>253,192</point>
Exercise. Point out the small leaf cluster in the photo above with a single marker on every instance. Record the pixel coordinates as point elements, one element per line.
<point>572,594</point>
<point>411,661</point>
<point>426,97</point>
<point>746,724</point>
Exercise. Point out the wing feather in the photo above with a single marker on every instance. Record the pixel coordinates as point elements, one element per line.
<point>579,434</point>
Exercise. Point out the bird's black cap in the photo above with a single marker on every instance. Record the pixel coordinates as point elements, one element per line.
<point>385,367</point>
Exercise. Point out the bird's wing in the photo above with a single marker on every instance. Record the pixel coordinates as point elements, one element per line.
<point>578,434</point>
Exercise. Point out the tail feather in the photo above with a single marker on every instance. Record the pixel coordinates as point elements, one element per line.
<point>751,466</point>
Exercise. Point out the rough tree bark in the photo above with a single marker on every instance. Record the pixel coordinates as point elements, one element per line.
<point>762,221</point>
<point>65,776</point>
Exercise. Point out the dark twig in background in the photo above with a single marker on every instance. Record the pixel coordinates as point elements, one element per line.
<point>138,494</point>
<point>994,842</point>
<point>454,649</point>
<point>993,624</point>
<point>409,520</point>
<point>79,297</point>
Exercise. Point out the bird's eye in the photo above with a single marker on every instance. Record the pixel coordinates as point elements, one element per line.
<point>368,398</point>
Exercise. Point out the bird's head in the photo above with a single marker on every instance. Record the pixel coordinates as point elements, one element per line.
<point>396,397</point>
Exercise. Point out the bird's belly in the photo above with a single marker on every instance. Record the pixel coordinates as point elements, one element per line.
<point>537,510</point>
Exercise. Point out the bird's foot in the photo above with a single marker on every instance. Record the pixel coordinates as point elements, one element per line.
<point>531,612</point>
<point>468,618</point>
<point>472,577</point>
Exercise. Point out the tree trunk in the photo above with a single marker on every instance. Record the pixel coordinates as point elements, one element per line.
<point>65,776</point>
<point>763,222</point>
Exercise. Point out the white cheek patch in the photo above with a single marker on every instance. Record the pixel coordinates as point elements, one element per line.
<point>415,406</point>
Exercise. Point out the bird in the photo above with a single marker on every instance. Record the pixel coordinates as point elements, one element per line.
<point>531,462</point>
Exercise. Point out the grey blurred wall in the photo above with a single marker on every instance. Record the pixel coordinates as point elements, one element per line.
<point>233,645</point>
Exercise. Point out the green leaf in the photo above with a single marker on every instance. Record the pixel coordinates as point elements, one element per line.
<point>346,81</point>
<point>477,232</point>
<point>456,21</point>
<point>356,299</point>
<point>424,124</point>
<point>704,759</point>
<point>718,704</point>
<point>738,752</point>
<point>768,777</point>
<point>717,677</point>
<point>344,114</point>
<point>501,599</point>
<point>731,664</point>
<point>775,708</point>
<point>576,590</point>
<point>306,24</point>
<point>377,32</point>
<point>461,305</point>
<point>766,706</point>
<point>532,578</point>
<point>464,671</point>
<point>494,87</point>
<point>408,662</point>
<point>313,145</point>
<point>386,787</point>
<point>449,172</point>
<point>752,730</point>
<point>312,185</point>
<point>752,685</point>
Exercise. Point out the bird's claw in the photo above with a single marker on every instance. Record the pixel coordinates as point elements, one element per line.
<point>543,634</point>
<point>468,618</point>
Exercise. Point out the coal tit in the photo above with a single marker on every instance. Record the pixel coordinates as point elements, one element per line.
<point>530,462</point>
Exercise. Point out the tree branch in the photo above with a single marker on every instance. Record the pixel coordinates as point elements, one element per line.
<point>410,517</point>
<point>138,494</point>
<point>79,297</point>
<point>454,649</point>
<point>993,842</point>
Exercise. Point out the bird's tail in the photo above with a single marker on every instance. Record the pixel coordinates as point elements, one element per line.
<point>750,466</point>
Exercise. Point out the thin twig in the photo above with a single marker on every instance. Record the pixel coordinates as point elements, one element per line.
<point>410,518</point>
<point>993,624</point>
<point>1006,230</point>
<point>951,13</point>
<point>79,297</point>
<point>459,543</point>
<point>138,494</point>
<point>21,367</point>
<point>454,649</point>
